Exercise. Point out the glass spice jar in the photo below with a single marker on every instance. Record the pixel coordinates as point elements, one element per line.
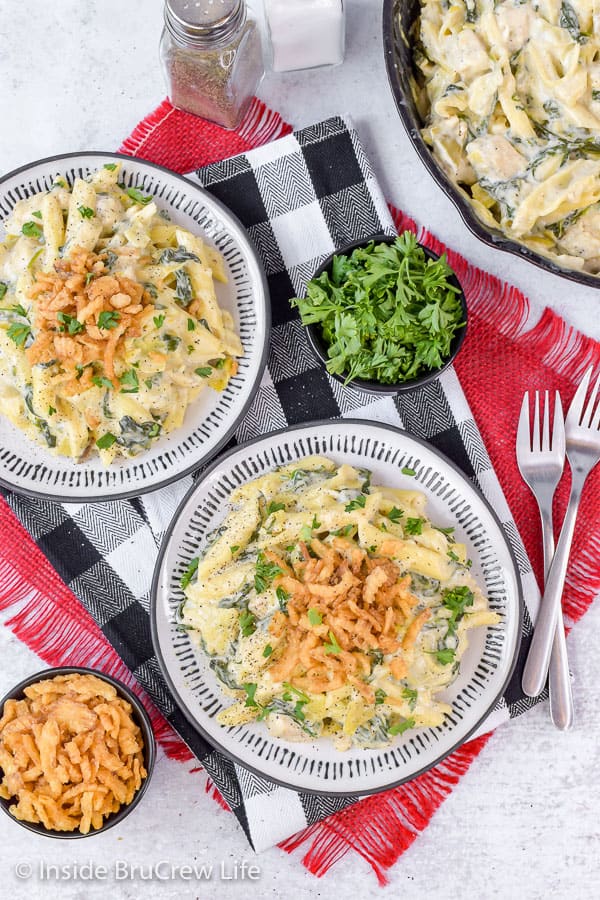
<point>212,58</point>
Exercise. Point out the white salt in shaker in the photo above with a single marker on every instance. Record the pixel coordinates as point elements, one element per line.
<point>305,33</point>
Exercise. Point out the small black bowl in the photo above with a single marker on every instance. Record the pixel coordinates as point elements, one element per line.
<point>140,717</point>
<point>319,346</point>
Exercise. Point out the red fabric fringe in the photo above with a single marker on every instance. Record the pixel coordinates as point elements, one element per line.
<point>499,361</point>
<point>182,142</point>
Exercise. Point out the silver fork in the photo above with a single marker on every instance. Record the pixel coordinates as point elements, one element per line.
<point>541,461</point>
<point>583,452</point>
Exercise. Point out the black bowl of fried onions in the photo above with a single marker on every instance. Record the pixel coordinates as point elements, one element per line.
<point>385,314</point>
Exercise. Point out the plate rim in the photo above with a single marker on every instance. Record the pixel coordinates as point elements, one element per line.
<point>215,745</point>
<point>138,491</point>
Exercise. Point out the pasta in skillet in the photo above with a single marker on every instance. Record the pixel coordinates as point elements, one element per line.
<point>510,93</point>
<point>109,320</point>
<point>332,607</point>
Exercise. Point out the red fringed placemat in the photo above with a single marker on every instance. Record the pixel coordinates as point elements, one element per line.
<point>501,358</point>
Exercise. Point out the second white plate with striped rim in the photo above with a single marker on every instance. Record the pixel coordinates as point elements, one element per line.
<point>452,500</point>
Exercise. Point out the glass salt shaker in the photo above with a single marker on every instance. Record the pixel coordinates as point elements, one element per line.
<point>212,58</point>
<point>305,34</point>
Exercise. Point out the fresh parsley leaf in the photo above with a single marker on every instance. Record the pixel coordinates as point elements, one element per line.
<point>401,727</point>
<point>380,696</point>
<point>333,646</point>
<point>106,441</point>
<point>306,534</point>
<point>234,548</point>
<point>203,371</point>
<point>414,526</point>
<point>108,319</point>
<point>189,573</point>
<point>314,617</point>
<point>344,531</point>
<point>445,657</point>
<point>273,507</point>
<point>51,410</point>
<point>220,363</point>
<point>267,651</point>
<point>265,573</point>
<point>19,332</point>
<point>110,166</point>
<point>452,555</point>
<point>406,470</point>
<point>457,600</point>
<point>191,325</point>
<point>410,695</point>
<point>395,514</point>
<point>159,320</point>
<point>129,382</point>
<point>102,382</point>
<point>136,195</point>
<point>359,503</point>
<point>30,229</point>
<point>85,212</point>
<point>283,598</point>
<point>37,214</point>
<point>250,689</point>
<point>247,623</point>
<point>69,323</point>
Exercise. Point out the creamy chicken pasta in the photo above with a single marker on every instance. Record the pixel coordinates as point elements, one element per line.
<point>510,94</point>
<point>109,320</point>
<point>332,607</point>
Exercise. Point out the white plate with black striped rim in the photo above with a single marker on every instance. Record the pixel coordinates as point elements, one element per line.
<point>486,667</point>
<point>211,419</point>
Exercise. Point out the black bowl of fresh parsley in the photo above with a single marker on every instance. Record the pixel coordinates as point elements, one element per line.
<point>384,314</point>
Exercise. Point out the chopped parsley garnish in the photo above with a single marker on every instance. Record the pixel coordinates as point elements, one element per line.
<point>401,727</point>
<point>203,371</point>
<point>447,531</point>
<point>220,363</point>
<point>456,600</point>
<point>265,573</point>
<point>69,323</point>
<point>158,320</point>
<point>110,166</point>
<point>51,410</point>
<point>129,382</point>
<point>445,657</point>
<point>410,695</point>
<point>37,214</point>
<point>137,196</point>
<point>106,441</point>
<point>189,573</point>
<point>247,623</point>
<point>191,325</point>
<point>344,531</point>
<point>359,503</point>
<point>387,312</point>
<point>102,382</point>
<point>314,617</point>
<point>108,319</point>
<point>380,696</point>
<point>283,598</point>
<point>273,507</point>
<point>267,651</point>
<point>88,278</point>
<point>414,526</point>
<point>406,470</point>
<point>85,212</point>
<point>395,514</point>
<point>19,332</point>
<point>333,646</point>
<point>452,555</point>
<point>30,229</point>
<point>250,693</point>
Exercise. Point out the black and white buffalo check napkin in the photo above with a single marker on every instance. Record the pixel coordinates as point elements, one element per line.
<point>300,198</point>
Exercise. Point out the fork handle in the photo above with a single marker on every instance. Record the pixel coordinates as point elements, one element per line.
<point>561,697</point>
<point>538,660</point>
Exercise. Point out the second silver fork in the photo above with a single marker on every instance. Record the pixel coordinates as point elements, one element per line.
<point>541,460</point>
